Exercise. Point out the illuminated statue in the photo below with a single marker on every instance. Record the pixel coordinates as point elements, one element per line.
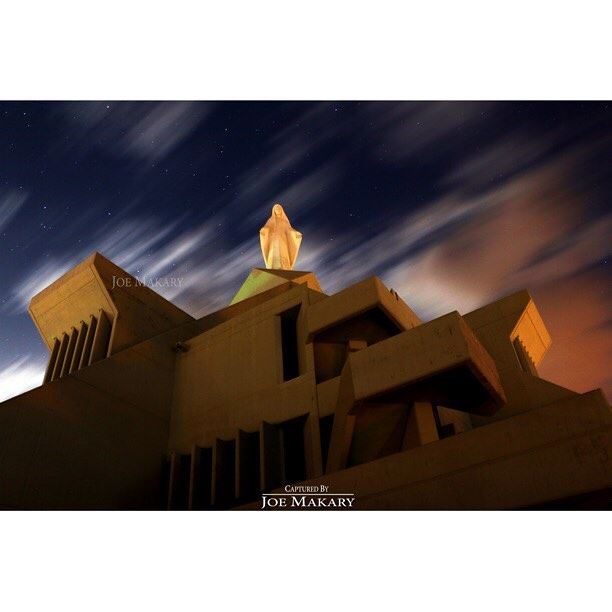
<point>280,243</point>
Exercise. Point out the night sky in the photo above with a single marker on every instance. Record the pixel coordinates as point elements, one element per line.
<point>452,204</point>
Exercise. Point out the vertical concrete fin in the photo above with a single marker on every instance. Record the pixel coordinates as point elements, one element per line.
<point>525,360</point>
<point>78,349</point>
<point>272,465</point>
<point>91,331</point>
<point>52,361</point>
<point>59,362</point>
<point>111,334</point>
<point>99,348</point>
<point>69,352</point>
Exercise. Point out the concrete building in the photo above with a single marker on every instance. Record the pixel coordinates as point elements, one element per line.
<point>143,406</point>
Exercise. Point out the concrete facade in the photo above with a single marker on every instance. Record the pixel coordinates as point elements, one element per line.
<point>145,407</point>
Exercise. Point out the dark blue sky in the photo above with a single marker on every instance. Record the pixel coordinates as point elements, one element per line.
<point>451,204</point>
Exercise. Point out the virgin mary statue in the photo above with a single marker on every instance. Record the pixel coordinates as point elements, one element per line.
<point>280,243</point>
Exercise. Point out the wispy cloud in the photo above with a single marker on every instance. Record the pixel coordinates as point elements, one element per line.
<point>10,204</point>
<point>301,195</point>
<point>20,376</point>
<point>499,161</point>
<point>396,132</point>
<point>501,249</point>
<point>163,129</point>
<point>131,242</point>
<point>203,257</point>
<point>309,190</point>
<point>536,239</point>
<point>42,275</point>
<point>511,214</point>
<point>261,180</point>
<point>351,255</point>
<point>402,131</point>
<point>412,252</point>
<point>143,131</point>
<point>287,172</point>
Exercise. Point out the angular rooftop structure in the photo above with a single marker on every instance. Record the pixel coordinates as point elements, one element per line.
<point>143,406</point>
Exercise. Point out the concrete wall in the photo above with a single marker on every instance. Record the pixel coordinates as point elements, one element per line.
<point>214,396</point>
<point>547,455</point>
<point>231,376</point>
<point>68,445</point>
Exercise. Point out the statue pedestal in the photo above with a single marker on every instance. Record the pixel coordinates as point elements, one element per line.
<point>260,280</point>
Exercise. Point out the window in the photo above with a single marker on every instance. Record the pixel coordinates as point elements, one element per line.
<point>289,343</point>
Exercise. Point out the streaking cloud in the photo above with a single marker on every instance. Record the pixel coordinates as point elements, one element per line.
<point>20,376</point>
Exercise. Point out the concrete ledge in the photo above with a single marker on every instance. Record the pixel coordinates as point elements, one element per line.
<point>404,363</point>
<point>355,300</point>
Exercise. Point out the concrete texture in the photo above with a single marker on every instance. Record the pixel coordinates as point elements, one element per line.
<point>143,406</point>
